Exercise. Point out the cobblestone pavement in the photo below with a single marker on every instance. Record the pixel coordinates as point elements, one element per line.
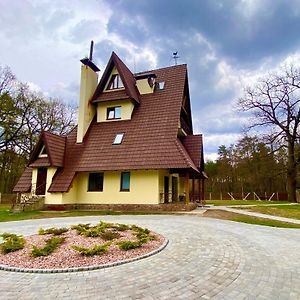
<point>205,259</point>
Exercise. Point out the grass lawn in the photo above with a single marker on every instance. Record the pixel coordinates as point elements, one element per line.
<point>7,216</point>
<point>287,211</point>
<point>225,215</point>
<point>242,202</point>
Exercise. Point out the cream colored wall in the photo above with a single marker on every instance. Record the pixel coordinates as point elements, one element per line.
<point>34,180</point>
<point>126,110</point>
<point>143,189</point>
<point>88,85</point>
<point>144,87</point>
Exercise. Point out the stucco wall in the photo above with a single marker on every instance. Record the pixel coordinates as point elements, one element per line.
<point>126,110</point>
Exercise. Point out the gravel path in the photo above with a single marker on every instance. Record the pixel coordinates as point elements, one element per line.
<point>205,259</point>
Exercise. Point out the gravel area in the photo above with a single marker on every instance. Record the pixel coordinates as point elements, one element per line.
<point>66,257</point>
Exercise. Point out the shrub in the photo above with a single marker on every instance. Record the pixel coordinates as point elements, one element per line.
<point>95,250</point>
<point>51,245</point>
<point>128,245</point>
<point>12,242</point>
<point>53,230</point>
<point>109,235</point>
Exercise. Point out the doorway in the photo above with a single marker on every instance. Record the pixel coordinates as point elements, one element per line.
<point>41,181</point>
<point>166,189</point>
<point>174,188</point>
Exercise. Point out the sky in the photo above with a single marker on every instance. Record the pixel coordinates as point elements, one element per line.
<point>227,45</point>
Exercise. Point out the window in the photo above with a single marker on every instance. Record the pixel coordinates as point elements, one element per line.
<point>114,113</point>
<point>43,152</point>
<point>95,182</point>
<point>118,139</point>
<point>161,85</point>
<point>115,82</point>
<point>125,181</point>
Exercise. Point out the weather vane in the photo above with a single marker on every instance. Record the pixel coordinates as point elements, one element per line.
<point>175,57</point>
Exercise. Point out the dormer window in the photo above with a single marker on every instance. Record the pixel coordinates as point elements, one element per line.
<point>115,82</point>
<point>113,113</point>
<point>161,85</point>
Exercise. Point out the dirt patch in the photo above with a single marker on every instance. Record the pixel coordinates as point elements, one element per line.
<point>220,214</point>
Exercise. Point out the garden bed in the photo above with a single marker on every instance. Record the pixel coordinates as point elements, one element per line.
<point>117,244</point>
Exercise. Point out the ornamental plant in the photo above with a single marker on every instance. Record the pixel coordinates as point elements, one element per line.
<point>94,250</point>
<point>52,230</point>
<point>12,242</point>
<point>51,245</point>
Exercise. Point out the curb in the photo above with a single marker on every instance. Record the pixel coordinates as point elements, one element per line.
<point>87,268</point>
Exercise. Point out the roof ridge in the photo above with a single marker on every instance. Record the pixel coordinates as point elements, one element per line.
<point>159,69</point>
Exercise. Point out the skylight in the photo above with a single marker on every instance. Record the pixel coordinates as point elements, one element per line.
<point>161,85</point>
<point>118,139</point>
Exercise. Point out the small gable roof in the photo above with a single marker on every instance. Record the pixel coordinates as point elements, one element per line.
<point>24,183</point>
<point>55,148</point>
<point>127,79</point>
<point>194,147</point>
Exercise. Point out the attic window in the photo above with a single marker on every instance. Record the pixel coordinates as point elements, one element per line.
<point>118,139</point>
<point>161,85</point>
<point>43,152</point>
<point>114,113</point>
<point>115,82</point>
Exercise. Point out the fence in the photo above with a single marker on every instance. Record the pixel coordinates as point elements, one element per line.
<point>276,196</point>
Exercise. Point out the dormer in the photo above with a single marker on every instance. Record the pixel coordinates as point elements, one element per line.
<point>116,95</point>
<point>145,83</point>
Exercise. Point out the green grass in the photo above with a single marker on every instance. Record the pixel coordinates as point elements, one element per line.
<point>7,216</point>
<point>286,211</point>
<point>224,215</point>
<point>242,202</point>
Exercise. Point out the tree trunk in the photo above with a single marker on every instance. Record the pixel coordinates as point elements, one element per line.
<point>291,173</point>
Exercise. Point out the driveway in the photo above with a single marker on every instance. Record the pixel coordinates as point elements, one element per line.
<point>205,259</point>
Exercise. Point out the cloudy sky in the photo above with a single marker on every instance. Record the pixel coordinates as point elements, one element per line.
<point>227,45</point>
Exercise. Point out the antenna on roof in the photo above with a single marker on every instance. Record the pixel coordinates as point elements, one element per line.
<point>91,50</point>
<point>175,57</point>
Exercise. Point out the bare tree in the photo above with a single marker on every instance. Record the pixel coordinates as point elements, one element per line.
<point>275,105</point>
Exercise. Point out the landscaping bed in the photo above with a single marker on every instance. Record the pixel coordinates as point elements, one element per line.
<point>82,245</point>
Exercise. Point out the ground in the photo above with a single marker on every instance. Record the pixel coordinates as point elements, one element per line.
<point>205,259</point>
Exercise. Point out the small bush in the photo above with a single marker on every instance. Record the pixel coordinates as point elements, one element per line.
<point>120,227</point>
<point>95,250</point>
<point>12,242</point>
<point>53,230</point>
<point>51,245</point>
<point>109,235</point>
<point>129,245</point>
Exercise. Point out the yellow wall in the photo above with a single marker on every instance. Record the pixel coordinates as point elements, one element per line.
<point>126,110</point>
<point>33,180</point>
<point>86,112</point>
<point>144,87</point>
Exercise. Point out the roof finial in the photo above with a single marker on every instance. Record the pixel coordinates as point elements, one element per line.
<point>175,56</point>
<point>91,50</point>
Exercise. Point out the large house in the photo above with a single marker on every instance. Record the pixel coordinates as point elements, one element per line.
<point>134,143</point>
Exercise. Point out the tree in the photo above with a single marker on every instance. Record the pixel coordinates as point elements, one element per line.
<point>275,104</point>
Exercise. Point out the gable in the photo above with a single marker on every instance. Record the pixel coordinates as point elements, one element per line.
<point>115,66</point>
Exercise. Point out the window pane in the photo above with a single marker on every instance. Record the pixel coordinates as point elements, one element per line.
<point>118,112</point>
<point>118,139</point>
<point>125,181</point>
<point>120,83</point>
<point>95,182</point>
<point>110,113</point>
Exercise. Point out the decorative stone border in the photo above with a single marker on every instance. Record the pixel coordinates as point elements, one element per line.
<point>87,268</point>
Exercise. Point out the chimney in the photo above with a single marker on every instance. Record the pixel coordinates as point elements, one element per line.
<point>88,85</point>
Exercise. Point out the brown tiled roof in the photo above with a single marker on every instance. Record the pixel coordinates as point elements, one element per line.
<point>55,148</point>
<point>150,137</point>
<point>40,162</point>
<point>24,183</point>
<point>193,145</point>
<point>112,95</point>
<point>126,76</point>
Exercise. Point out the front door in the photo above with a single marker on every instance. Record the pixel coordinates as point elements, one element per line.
<point>41,181</point>
<point>166,189</point>
<point>174,188</point>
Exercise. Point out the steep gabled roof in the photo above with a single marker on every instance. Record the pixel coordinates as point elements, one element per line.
<point>127,79</point>
<point>194,147</point>
<point>150,137</point>
<point>55,148</point>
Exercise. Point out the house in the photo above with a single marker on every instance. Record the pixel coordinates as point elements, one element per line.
<point>133,144</point>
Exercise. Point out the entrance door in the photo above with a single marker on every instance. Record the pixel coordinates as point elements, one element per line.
<point>166,189</point>
<point>41,181</point>
<point>174,188</point>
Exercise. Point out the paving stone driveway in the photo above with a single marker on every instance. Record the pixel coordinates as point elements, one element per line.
<point>205,259</point>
